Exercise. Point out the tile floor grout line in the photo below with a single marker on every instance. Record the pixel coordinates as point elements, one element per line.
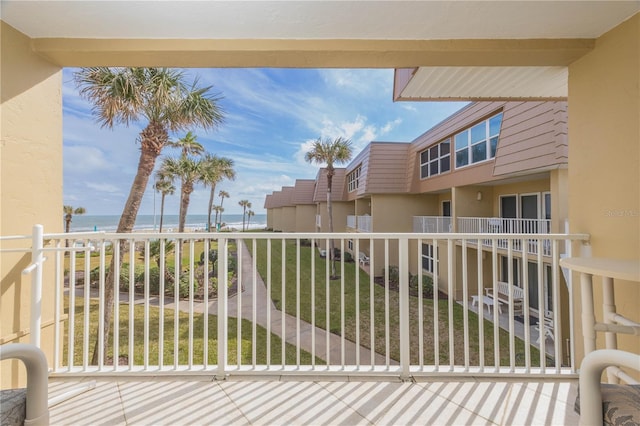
<point>233,402</point>
<point>124,413</point>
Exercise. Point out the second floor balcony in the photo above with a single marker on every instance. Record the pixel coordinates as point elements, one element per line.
<point>484,225</point>
<point>321,327</point>
<point>359,223</point>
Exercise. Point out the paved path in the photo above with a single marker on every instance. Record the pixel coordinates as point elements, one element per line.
<point>267,312</point>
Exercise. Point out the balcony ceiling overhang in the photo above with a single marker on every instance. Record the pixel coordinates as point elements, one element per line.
<point>490,43</point>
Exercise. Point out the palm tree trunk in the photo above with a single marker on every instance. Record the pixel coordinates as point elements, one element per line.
<point>213,190</point>
<point>332,256</point>
<point>184,204</point>
<point>221,203</point>
<point>67,226</point>
<point>127,221</point>
<point>244,210</point>
<point>161,210</point>
<point>182,215</point>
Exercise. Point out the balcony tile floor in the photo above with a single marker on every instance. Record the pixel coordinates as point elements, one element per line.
<point>317,400</point>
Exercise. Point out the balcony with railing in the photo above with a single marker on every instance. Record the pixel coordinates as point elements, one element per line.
<point>359,223</point>
<point>498,225</point>
<point>432,224</point>
<point>169,317</point>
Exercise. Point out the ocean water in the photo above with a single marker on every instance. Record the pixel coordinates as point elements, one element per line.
<point>109,223</point>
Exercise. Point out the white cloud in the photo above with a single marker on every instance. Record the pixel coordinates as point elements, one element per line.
<point>104,187</point>
<point>85,159</point>
<point>390,125</point>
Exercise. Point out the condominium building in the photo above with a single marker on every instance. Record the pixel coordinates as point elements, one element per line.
<point>492,167</point>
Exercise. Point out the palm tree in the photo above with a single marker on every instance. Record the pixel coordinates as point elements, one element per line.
<point>161,98</point>
<point>69,211</point>
<point>188,145</point>
<point>249,214</point>
<point>245,204</point>
<point>222,194</point>
<point>215,169</point>
<point>218,210</point>
<point>330,152</point>
<point>188,170</point>
<point>165,187</point>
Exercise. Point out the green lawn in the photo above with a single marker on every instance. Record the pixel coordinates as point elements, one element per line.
<point>343,292</point>
<point>183,333</point>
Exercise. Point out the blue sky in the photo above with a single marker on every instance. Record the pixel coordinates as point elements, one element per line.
<point>271,118</point>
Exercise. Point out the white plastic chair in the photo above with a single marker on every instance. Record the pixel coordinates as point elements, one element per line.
<point>591,391</point>
<point>37,412</point>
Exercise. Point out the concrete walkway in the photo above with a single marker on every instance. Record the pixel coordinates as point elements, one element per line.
<point>265,307</point>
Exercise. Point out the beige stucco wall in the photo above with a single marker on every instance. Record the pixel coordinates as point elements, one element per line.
<point>31,183</point>
<point>277,219</point>
<point>341,209</point>
<point>465,202</point>
<point>604,159</point>
<point>305,218</point>
<point>394,213</point>
<point>269,218</point>
<point>289,219</point>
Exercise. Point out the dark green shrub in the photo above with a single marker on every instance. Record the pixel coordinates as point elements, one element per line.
<point>394,274</point>
<point>94,276</point>
<point>427,285</point>
<point>213,256</point>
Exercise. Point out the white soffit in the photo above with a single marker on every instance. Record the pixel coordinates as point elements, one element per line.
<point>487,83</point>
<point>309,19</point>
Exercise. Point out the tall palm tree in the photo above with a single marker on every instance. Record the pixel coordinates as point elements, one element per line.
<point>222,194</point>
<point>330,152</point>
<point>245,204</point>
<point>249,214</point>
<point>158,97</point>
<point>165,187</point>
<point>69,211</point>
<point>189,171</point>
<point>215,169</point>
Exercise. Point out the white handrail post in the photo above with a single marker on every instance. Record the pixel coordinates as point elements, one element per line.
<point>36,284</point>
<point>403,258</point>
<point>222,308</point>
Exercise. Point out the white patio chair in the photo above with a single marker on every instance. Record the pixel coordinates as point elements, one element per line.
<point>363,259</point>
<point>26,407</point>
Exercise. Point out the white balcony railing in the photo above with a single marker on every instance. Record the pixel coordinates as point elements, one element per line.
<point>364,223</point>
<point>359,223</point>
<point>159,327</point>
<point>432,224</point>
<point>498,225</point>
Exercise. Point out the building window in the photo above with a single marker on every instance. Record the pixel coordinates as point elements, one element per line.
<point>478,143</point>
<point>353,179</point>
<point>427,257</point>
<point>350,244</point>
<point>436,159</point>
